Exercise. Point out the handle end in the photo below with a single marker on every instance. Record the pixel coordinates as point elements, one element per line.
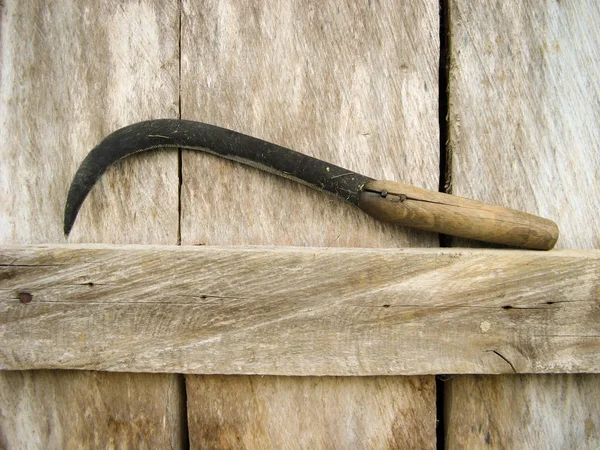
<point>457,216</point>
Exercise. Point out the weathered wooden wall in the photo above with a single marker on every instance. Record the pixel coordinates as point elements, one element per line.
<point>71,73</point>
<point>524,114</point>
<point>354,83</point>
<point>335,81</point>
<point>351,82</point>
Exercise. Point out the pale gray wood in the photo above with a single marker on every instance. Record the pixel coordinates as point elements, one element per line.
<point>353,83</point>
<point>271,412</point>
<point>73,71</point>
<point>299,311</point>
<point>555,412</point>
<point>524,96</point>
<point>350,82</point>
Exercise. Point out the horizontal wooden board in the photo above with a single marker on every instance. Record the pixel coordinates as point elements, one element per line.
<point>299,311</point>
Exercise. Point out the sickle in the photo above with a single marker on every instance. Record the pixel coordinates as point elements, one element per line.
<point>387,201</point>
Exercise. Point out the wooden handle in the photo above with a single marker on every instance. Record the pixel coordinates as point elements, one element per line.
<point>415,207</point>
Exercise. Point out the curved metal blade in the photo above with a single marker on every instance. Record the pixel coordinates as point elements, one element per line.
<point>229,144</point>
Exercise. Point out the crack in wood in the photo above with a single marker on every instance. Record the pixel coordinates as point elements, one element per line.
<point>510,307</point>
<point>505,359</point>
<point>32,265</point>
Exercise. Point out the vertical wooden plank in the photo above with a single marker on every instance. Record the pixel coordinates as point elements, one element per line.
<point>524,96</point>
<point>72,72</point>
<point>523,411</point>
<point>354,83</point>
<point>524,93</point>
<point>310,412</point>
<point>71,409</point>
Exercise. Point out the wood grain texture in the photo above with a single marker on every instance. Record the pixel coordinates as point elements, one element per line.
<point>524,95</point>
<point>353,83</point>
<point>271,412</point>
<point>299,311</point>
<point>72,72</point>
<point>73,409</point>
<point>553,412</point>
